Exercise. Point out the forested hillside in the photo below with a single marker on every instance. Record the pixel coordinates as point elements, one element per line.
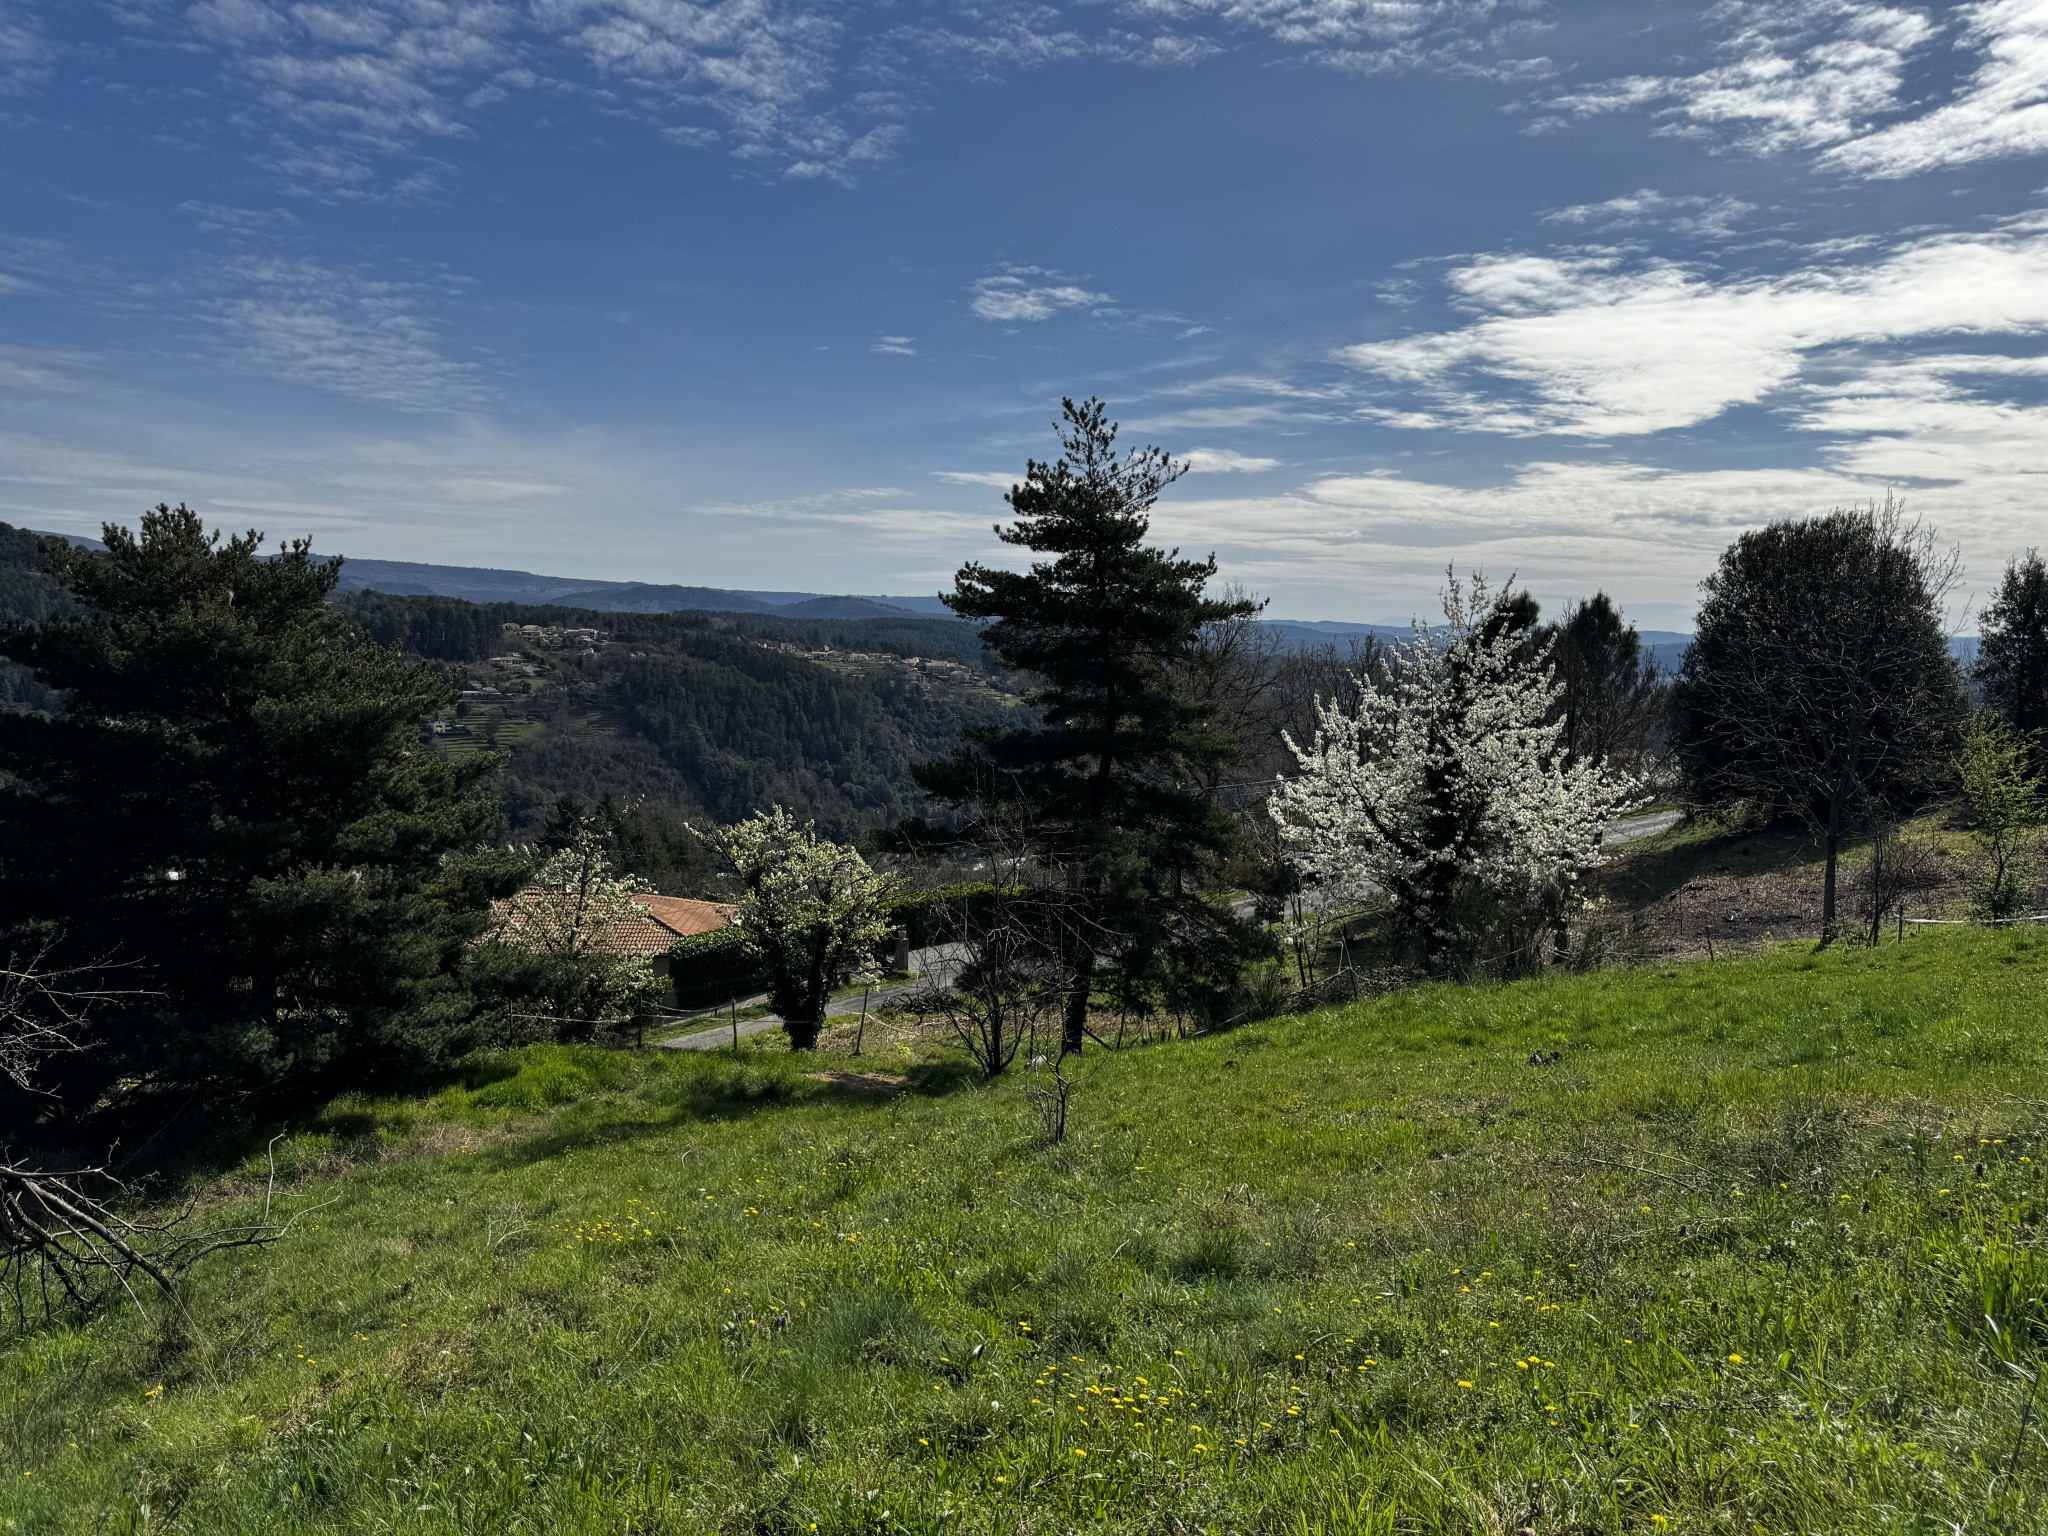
<point>700,715</point>
<point>710,715</point>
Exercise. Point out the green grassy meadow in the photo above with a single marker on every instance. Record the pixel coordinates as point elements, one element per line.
<point>1724,1266</point>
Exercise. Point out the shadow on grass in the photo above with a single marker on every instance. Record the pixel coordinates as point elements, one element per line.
<point>1645,876</point>
<point>589,1097</point>
<point>713,1090</point>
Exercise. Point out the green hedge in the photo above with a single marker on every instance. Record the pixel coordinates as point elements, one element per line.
<point>928,915</point>
<point>710,967</point>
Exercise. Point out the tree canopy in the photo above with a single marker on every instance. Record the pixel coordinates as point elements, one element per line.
<point>1819,682</point>
<point>1107,773</point>
<point>2012,651</point>
<point>233,821</point>
<point>1444,794</point>
<point>1609,694</point>
<point>811,910</point>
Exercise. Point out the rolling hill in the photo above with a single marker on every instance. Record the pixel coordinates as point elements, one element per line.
<point>1725,1265</point>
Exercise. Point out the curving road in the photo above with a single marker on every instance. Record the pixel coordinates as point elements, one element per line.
<point>934,967</point>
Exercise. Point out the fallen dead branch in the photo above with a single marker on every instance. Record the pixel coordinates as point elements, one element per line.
<point>64,1243</point>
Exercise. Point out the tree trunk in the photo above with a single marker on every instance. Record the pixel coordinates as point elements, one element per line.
<point>1074,1028</point>
<point>803,1033</point>
<point>802,1024</point>
<point>1827,890</point>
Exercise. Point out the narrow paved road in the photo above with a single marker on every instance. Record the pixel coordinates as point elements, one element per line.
<point>934,967</point>
<point>1635,828</point>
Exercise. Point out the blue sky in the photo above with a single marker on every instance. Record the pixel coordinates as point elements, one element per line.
<point>781,295</point>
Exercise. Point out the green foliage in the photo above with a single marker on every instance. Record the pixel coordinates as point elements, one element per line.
<point>2005,801</point>
<point>29,594</point>
<point>652,842</point>
<point>812,912</point>
<point>1819,682</point>
<point>1611,692</point>
<point>1726,1266</point>
<point>706,714</point>
<point>2012,650</point>
<point>713,967</point>
<point>933,915</point>
<point>1109,783</point>
<point>231,822</point>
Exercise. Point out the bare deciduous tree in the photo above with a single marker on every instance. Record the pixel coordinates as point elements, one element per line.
<point>999,983</point>
<point>1899,868</point>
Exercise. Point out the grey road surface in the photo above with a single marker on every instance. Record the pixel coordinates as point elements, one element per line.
<point>934,967</point>
<point>1634,829</point>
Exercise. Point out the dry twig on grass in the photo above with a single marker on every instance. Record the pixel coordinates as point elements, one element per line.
<point>61,1244</point>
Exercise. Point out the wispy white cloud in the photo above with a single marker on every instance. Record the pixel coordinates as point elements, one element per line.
<point>1643,531</point>
<point>1224,461</point>
<point>383,72</point>
<point>330,328</point>
<point>1595,346</point>
<point>221,218</point>
<point>795,87</point>
<point>1799,74</point>
<point>1709,217</point>
<point>760,77</point>
<point>26,52</point>
<point>1021,294</point>
<point>38,370</point>
<point>1378,36</point>
<point>2000,110</point>
<point>895,346</point>
<point>1829,76</point>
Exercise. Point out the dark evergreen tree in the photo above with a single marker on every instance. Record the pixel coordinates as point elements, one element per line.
<point>233,820</point>
<point>2012,651</point>
<point>28,595</point>
<point>650,844</point>
<point>1107,774</point>
<point>1610,694</point>
<point>1819,682</point>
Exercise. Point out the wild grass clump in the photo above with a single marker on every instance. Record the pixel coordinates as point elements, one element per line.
<point>1757,1246</point>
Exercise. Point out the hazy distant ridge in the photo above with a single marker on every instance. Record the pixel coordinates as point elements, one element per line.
<point>479,584</point>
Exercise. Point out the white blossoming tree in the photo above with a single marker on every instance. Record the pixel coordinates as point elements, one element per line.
<point>558,948</point>
<point>813,911</point>
<point>1445,793</point>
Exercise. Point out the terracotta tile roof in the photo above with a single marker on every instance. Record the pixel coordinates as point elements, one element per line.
<point>657,921</point>
<point>686,916</point>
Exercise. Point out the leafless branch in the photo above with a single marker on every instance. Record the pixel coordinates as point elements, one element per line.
<point>61,1244</point>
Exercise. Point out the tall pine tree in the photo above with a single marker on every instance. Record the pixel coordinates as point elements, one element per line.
<point>1106,777</point>
<point>1610,693</point>
<point>233,823</point>
<point>2012,653</point>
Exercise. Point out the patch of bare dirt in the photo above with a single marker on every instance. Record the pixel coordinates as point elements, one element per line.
<point>1739,892</point>
<point>869,1085</point>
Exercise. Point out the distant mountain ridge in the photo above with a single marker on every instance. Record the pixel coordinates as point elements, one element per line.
<point>481,584</point>
<point>406,578</point>
<point>487,584</point>
<point>484,584</point>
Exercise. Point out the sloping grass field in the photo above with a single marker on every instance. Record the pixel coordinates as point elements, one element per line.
<point>1760,1251</point>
